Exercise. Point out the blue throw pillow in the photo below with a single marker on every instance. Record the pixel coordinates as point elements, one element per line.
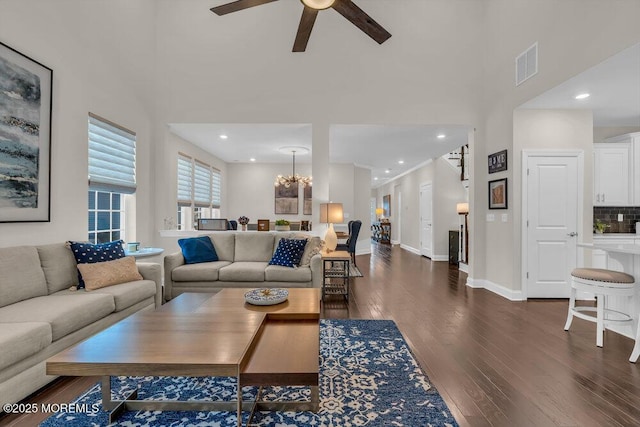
<point>289,252</point>
<point>198,249</point>
<point>89,253</point>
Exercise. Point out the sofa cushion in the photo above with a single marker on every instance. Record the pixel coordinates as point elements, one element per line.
<point>59,266</point>
<point>288,253</point>
<point>225,244</point>
<point>20,274</point>
<point>21,340</point>
<point>198,272</point>
<point>277,273</point>
<point>197,249</point>
<point>243,271</point>
<point>254,247</point>
<point>313,247</point>
<point>88,253</point>
<point>129,294</point>
<point>102,274</point>
<point>66,311</point>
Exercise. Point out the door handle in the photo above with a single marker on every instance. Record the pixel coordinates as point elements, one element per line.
<point>572,234</point>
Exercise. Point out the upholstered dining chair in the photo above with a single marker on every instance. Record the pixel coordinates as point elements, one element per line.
<point>350,245</point>
<point>232,224</point>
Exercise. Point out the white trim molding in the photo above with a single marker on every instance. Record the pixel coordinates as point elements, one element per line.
<point>410,249</point>
<point>510,294</point>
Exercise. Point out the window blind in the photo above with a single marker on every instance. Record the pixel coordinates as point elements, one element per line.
<point>112,157</point>
<point>202,185</point>
<point>216,188</point>
<point>185,180</point>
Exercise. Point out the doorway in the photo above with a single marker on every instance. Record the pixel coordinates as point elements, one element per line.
<point>552,194</point>
<point>426,220</point>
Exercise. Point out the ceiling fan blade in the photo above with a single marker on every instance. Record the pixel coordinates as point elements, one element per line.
<point>238,5</point>
<point>360,19</point>
<point>304,29</point>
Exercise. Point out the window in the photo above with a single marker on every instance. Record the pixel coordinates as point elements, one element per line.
<point>199,191</point>
<point>112,175</point>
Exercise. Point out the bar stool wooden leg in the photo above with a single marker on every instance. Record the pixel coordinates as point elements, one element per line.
<point>572,304</point>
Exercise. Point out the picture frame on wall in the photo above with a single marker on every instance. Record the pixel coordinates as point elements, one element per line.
<point>307,204</point>
<point>386,205</point>
<point>286,200</point>
<point>498,194</point>
<point>25,138</point>
<point>498,161</point>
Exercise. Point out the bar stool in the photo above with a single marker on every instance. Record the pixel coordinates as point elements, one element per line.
<point>603,283</point>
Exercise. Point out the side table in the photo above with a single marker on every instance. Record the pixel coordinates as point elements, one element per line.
<point>335,273</point>
<point>144,252</point>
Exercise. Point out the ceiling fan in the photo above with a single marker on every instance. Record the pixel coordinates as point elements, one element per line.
<point>346,8</point>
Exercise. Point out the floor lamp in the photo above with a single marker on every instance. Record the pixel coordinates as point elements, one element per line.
<point>463,209</point>
<point>331,213</point>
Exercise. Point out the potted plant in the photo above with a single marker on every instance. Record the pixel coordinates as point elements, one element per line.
<point>243,221</point>
<point>599,227</point>
<point>282,225</point>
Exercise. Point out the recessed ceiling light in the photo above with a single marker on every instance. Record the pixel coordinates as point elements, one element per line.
<point>400,162</point>
<point>223,136</point>
<point>441,136</point>
<point>375,178</point>
<point>252,159</point>
<point>387,171</point>
<point>583,96</point>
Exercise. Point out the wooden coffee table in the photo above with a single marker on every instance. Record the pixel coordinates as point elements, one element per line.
<point>199,334</point>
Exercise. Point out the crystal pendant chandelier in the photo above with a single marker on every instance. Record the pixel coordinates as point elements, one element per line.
<point>293,179</point>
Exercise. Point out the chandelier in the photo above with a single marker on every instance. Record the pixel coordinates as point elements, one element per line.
<point>293,179</point>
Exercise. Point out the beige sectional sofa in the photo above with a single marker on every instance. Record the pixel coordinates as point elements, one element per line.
<point>40,315</point>
<point>243,263</point>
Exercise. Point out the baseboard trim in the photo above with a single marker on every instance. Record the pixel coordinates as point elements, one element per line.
<point>463,267</point>
<point>440,258</point>
<point>410,249</point>
<point>510,294</point>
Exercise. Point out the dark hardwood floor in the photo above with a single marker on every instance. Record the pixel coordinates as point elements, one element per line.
<point>495,362</point>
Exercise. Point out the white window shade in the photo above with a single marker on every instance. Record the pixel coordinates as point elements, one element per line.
<point>202,185</point>
<point>185,180</point>
<point>216,189</point>
<point>112,157</point>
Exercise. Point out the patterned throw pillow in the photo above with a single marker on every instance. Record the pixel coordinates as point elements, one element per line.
<point>198,249</point>
<point>102,274</point>
<point>88,253</point>
<point>288,253</point>
<point>314,246</point>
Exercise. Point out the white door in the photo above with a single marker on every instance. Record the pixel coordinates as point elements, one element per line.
<point>426,220</point>
<point>551,225</point>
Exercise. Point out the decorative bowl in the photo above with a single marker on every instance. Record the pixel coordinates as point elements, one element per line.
<point>266,296</point>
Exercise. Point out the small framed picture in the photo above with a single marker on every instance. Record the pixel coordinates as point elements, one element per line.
<point>498,194</point>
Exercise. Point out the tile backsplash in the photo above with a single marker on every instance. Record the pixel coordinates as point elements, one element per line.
<point>609,215</point>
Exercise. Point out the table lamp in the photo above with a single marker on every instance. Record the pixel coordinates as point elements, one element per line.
<point>330,213</point>
<point>379,212</point>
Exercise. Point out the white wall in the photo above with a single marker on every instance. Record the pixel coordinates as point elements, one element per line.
<point>447,192</point>
<point>572,36</point>
<point>600,133</point>
<point>95,69</point>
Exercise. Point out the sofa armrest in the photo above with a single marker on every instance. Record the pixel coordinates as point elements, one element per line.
<point>152,271</point>
<point>316,270</point>
<point>171,261</point>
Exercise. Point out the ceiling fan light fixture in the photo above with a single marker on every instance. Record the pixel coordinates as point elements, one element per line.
<point>318,4</point>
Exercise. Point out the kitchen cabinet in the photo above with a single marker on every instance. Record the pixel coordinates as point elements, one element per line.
<point>612,174</point>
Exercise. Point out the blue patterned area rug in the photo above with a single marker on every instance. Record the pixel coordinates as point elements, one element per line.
<point>368,377</point>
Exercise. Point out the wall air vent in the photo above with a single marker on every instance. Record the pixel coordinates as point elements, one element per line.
<point>527,64</point>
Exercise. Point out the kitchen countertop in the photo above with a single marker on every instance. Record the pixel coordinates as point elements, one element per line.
<point>616,236</point>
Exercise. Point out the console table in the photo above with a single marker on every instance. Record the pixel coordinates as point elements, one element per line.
<point>381,232</point>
